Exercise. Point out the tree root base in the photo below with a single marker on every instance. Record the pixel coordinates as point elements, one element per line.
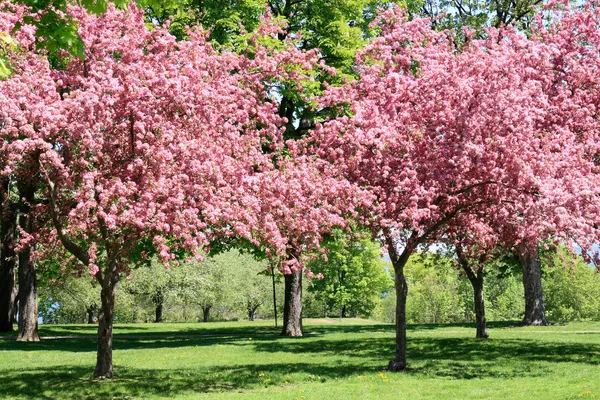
<point>396,366</point>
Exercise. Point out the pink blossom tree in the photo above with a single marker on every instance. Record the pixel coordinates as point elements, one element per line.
<point>155,148</point>
<point>29,114</point>
<point>437,134</point>
<point>301,201</point>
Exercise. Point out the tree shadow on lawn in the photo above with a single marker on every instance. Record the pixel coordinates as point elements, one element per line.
<point>128,383</point>
<point>455,358</point>
<point>440,348</point>
<point>150,330</point>
<point>73,383</point>
<point>156,330</point>
<point>423,348</point>
<point>375,328</point>
<point>119,343</point>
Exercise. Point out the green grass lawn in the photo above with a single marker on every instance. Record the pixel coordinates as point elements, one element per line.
<point>334,361</point>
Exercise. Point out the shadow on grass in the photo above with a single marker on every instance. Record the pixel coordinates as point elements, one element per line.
<point>342,356</point>
<point>129,383</point>
<point>155,329</point>
<point>374,347</point>
<point>411,327</point>
<point>440,357</point>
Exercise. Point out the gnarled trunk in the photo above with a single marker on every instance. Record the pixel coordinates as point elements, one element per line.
<point>28,306</point>
<point>292,310</point>
<point>28,300</point>
<point>108,282</point>
<point>532,284</point>
<point>8,224</point>
<point>206,313</point>
<point>401,286</point>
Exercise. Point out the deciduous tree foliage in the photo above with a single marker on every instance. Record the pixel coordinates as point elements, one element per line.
<point>354,275</point>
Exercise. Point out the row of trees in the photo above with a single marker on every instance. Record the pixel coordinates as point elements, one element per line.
<point>222,285</point>
<point>439,291</point>
<point>151,144</point>
<point>227,286</point>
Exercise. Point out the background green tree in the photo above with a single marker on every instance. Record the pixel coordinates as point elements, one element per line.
<point>354,275</point>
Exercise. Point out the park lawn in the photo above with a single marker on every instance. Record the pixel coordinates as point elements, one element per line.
<point>335,360</point>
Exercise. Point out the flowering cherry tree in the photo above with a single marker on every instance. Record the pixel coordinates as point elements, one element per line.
<point>437,135</point>
<point>154,147</point>
<point>301,201</point>
<point>30,114</point>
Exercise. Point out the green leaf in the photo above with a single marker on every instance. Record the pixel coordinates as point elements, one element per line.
<point>5,70</point>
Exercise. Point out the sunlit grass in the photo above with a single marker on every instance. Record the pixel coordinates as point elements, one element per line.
<point>335,360</point>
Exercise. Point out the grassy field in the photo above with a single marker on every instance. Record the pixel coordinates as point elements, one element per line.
<point>335,360</point>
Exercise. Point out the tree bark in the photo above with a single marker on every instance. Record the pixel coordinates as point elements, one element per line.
<point>532,284</point>
<point>159,312</point>
<point>292,310</point>
<point>401,286</point>
<point>28,305</point>
<point>108,293</point>
<point>159,299</point>
<point>206,313</point>
<point>476,279</point>
<point>28,300</point>
<point>274,294</point>
<point>479,306</point>
<point>8,224</point>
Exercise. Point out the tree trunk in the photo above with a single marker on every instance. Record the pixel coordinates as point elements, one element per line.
<point>343,312</point>
<point>28,306</point>
<point>90,314</point>
<point>159,312</point>
<point>108,282</point>
<point>292,310</point>
<point>28,301</point>
<point>274,295</point>
<point>398,262</point>
<point>8,222</point>
<point>532,284</point>
<point>476,279</point>
<point>479,306</point>
<point>15,304</point>
<point>252,312</point>
<point>206,313</point>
